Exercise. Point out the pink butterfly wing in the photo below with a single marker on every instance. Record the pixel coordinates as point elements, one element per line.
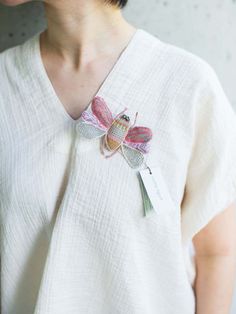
<point>101,111</point>
<point>138,134</point>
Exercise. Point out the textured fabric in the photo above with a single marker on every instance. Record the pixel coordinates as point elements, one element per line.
<point>74,237</point>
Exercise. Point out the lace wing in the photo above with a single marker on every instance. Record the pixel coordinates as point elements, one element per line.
<point>101,111</point>
<point>134,157</point>
<point>89,126</point>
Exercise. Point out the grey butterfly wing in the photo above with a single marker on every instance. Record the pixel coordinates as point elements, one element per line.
<point>133,156</point>
<point>89,130</point>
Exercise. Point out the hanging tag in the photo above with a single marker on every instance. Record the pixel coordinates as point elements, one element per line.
<point>154,191</point>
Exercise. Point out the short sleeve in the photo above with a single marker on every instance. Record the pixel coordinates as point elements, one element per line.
<point>211,174</point>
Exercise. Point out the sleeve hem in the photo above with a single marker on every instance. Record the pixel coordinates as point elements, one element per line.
<point>220,200</point>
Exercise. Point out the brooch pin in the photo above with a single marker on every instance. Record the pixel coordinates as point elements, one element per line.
<point>116,132</point>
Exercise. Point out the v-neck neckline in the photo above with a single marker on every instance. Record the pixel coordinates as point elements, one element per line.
<point>47,86</point>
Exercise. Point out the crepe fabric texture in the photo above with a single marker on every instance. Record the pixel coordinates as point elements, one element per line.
<point>74,238</point>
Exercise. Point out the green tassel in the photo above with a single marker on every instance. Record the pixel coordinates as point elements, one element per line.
<point>146,200</point>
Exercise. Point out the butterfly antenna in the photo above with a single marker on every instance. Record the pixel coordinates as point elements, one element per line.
<point>135,119</point>
<point>120,113</point>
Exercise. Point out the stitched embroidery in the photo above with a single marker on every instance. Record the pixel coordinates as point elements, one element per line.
<point>116,132</point>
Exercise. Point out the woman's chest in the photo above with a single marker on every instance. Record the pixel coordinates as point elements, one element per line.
<point>41,169</point>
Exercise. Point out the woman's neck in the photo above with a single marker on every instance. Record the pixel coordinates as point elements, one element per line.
<point>81,31</point>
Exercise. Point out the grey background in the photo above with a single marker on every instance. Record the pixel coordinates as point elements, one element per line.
<point>206,28</point>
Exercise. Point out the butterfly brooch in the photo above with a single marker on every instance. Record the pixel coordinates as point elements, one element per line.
<point>116,131</point>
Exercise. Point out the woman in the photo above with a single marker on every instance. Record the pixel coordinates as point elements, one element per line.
<point>74,234</point>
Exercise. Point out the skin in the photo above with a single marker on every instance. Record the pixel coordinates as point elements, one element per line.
<point>80,61</point>
<point>215,247</point>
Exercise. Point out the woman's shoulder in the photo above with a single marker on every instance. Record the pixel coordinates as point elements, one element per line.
<point>9,63</point>
<point>12,57</point>
<point>7,69</point>
<point>179,62</point>
<point>13,72</point>
<point>13,62</point>
<point>4,57</point>
<point>9,54</point>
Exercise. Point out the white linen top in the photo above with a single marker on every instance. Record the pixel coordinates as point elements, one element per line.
<point>74,238</point>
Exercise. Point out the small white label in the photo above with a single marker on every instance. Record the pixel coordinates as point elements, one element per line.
<point>156,189</point>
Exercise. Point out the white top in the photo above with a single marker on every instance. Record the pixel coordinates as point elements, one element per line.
<point>74,238</point>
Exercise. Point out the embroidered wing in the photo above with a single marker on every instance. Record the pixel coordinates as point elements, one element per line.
<point>138,134</point>
<point>95,123</point>
<point>136,144</point>
<point>133,156</point>
<point>89,126</point>
<point>102,112</point>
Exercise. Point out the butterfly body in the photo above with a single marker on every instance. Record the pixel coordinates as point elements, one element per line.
<point>116,132</point>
